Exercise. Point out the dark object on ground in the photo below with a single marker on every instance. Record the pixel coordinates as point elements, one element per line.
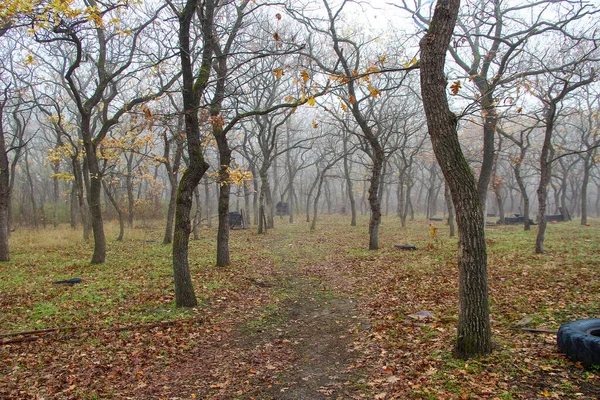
<point>516,220</point>
<point>555,218</point>
<point>236,220</point>
<point>405,246</point>
<point>580,340</point>
<point>71,281</point>
<point>282,208</point>
<point>435,219</point>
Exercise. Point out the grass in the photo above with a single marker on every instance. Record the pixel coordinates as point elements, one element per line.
<point>135,286</point>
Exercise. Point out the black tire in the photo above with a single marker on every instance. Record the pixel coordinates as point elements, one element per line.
<point>580,340</point>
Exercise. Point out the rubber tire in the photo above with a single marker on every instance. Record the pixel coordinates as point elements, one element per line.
<point>580,340</point>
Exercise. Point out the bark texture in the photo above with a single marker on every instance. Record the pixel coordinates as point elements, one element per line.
<point>4,190</point>
<point>192,93</point>
<point>474,334</point>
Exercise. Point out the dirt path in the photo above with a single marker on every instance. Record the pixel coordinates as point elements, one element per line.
<point>317,321</point>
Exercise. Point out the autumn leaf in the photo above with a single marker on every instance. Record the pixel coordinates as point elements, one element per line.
<point>217,121</point>
<point>278,16</point>
<point>433,230</point>
<point>311,101</point>
<point>455,87</point>
<point>278,72</point>
<point>289,99</point>
<point>374,92</point>
<point>519,110</point>
<point>352,99</point>
<point>344,107</point>
<point>276,37</point>
<point>410,63</point>
<point>29,60</point>
<point>314,124</point>
<point>305,76</point>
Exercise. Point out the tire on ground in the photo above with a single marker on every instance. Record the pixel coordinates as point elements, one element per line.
<point>580,340</point>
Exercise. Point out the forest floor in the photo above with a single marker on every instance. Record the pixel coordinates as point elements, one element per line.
<point>297,315</point>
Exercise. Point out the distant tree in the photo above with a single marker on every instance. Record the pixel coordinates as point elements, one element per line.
<point>557,87</point>
<point>103,59</point>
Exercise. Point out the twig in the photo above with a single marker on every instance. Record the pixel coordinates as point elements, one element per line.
<point>47,333</point>
<point>533,330</point>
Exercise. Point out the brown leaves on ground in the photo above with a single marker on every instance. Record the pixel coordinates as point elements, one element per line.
<point>247,339</point>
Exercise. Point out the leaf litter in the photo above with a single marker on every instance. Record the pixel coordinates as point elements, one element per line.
<point>298,314</point>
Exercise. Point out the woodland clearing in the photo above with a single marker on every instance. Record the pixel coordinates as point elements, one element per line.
<point>297,315</point>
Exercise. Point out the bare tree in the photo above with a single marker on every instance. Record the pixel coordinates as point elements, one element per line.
<point>560,85</point>
<point>474,333</point>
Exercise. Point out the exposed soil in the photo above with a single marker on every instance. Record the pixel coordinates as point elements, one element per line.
<point>318,323</point>
<point>298,345</point>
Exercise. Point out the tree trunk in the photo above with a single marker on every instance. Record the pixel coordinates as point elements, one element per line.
<point>373,197</point>
<point>83,209</point>
<point>247,193</point>
<point>173,172</point>
<point>197,215</point>
<point>73,205</point>
<point>171,208</point>
<point>192,93</point>
<point>223,206</point>
<point>545,174</point>
<point>489,130</point>
<point>115,204</point>
<point>207,201</point>
<point>55,196</point>
<point>34,214</point>
<point>313,225</point>
<point>184,290</point>
<point>129,186</point>
<point>349,189</point>
<point>95,191</point>
<point>450,208</point>
<point>4,190</point>
<point>523,190</point>
<point>474,333</point>
<point>584,187</point>
<point>310,192</point>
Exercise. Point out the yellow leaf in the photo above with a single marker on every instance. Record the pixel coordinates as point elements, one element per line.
<point>29,60</point>
<point>289,99</point>
<point>410,63</point>
<point>374,92</point>
<point>278,72</point>
<point>314,124</point>
<point>344,107</point>
<point>311,101</point>
<point>305,76</point>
